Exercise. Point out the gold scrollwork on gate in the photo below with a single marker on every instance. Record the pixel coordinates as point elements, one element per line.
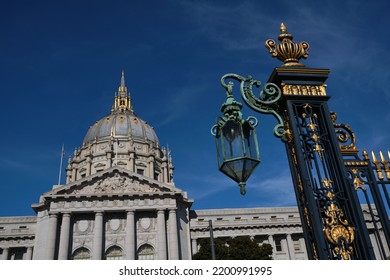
<point>358,183</point>
<point>337,229</point>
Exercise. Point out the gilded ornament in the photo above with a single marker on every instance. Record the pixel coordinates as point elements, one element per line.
<point>318,90</point>
<point>358,183</point>
<point>378,167</point>
<point>287,51</point>
<point>345,136</point>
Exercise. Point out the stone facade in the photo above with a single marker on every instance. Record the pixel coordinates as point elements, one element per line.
<point>280,227</point>
<point>119,200</point>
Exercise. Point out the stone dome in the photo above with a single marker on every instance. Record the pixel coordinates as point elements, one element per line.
<point>121,125</point>
<point>122,140</point>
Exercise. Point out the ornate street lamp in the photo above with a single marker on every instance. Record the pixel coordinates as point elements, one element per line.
<point>237,148</point>
<point>236,140</point>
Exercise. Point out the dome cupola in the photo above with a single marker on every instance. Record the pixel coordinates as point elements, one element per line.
<point>122,122</point>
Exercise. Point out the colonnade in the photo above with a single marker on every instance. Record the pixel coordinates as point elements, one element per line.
<point>166,248</point>
<point>8,253</point>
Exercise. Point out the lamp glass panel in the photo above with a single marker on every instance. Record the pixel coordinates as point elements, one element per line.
<point>219,144</point>
<point>232,140</point>
<point>250,142</point>
<point>233,169</point>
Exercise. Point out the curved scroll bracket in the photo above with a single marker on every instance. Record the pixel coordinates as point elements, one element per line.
<point>265,103</point>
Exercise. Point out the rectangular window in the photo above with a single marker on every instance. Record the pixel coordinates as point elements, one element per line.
<point>278,245</point>
<point>140,171</point>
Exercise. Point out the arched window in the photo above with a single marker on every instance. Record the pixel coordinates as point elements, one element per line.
<point>81,254</point>
<point>114,253</point>
<point>145,252</point>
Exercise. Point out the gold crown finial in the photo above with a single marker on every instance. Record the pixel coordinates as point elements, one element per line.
<point>287,51</point>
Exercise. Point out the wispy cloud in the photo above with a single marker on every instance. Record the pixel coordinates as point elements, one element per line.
<point>235,27</point>
<point>274,190</point>
<point>11,163</point>
<point>208,186</point>
<point>178,103</point>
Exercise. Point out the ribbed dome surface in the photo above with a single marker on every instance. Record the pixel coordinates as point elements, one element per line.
<point>121,125</point>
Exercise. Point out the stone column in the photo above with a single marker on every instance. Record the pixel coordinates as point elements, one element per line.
<point>4,256</point>
<point>164,172</point>
<point>290,247</point>
<point>161,235</point>
<point>173,238</point>
<point>98,237</point>
<point>109,159</point>
<point>74,173</point>
<point>64,237</point>
<point>51,237</point>
<point>272,243</point>
<point>130,162</point>
<point>194,246</point>
<point>28,255</point>
<point>130,236</point>
<point>151,167</point>
<point>88,165</point>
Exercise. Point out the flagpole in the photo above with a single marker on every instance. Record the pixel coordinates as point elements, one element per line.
<point>62,157</point>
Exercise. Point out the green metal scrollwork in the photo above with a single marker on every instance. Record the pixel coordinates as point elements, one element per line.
<point>266,103</point>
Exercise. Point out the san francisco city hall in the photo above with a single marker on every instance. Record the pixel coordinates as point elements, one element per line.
<point>120,202</point>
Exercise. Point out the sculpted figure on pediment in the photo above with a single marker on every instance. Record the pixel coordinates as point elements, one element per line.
<point>116,184</point>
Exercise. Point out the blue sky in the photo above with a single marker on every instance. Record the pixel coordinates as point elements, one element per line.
<point>61,62</point>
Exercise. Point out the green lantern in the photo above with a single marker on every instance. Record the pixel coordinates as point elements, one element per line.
<point>236,141</point>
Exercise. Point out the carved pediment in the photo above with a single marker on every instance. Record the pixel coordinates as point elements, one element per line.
<point>116,184</point>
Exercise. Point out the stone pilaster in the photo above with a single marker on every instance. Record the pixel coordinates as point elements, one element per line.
<point>194,245</point>
<point>271,241</point>
<point>290,247</point>
<point>4,256</point>
<point>29,253</point>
